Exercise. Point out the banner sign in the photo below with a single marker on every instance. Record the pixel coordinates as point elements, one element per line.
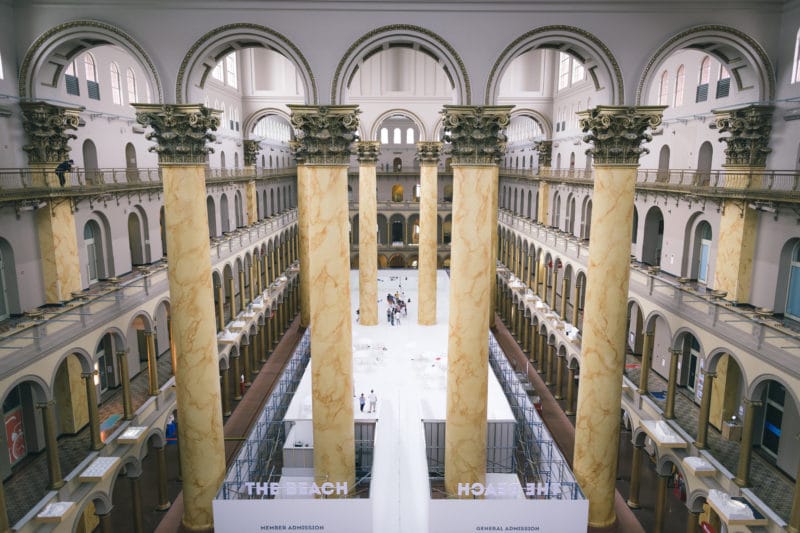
<point>521,515</point>
<point>304,514</point>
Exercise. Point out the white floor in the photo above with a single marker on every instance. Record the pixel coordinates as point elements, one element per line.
<point>406,366</point>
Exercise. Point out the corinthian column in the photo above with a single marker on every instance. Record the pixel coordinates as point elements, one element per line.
<point>47,129</point>
<point>428,154</point>
<point>477,148</point>
<point>367,155</point>
<point>616,133</point>
<point>181,132</point>
<point>251,149</point>
<point>325,135</point>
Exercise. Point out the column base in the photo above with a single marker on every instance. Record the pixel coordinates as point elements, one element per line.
<point>163,506</point>
<point>558,397</point>
<point>633,505</point>
<point>56,486</point>
<point>741,482</point>
<point>700,446</point>
<point>569,413</point>
<point>98,447</point>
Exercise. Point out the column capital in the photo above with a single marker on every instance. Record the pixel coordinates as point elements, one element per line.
<point>545,149</point>
<point>46,126</point>
<point>711,375</point>
<point>251,148</point>
<point>180,131</point>
<point>123,351</point>
<point>367,151</point>
<point>475,133</point>
<point>429,152</point>
<point>749,129</point>
<point>617,132</point>
<point>45,404</point>
<point>753,403</point>
<point>324,133</point>
<point>87,375</point>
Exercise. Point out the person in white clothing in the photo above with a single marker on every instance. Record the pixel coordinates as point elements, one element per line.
<point>373,401</point>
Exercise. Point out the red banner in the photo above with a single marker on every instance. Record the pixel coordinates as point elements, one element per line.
<point>15,435</point>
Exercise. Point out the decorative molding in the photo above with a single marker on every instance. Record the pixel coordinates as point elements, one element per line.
<point>749,128</point>
<point>324,134</point>
<point>72,30</point>
<point>388,30</point>
<point>475,133</point>
<point>367,151</point>
<point>181,131</point>
<point>568,33</point>
<point>236,28</point>
<point>429,152</point>
<point>617,132</point>
<point>545,149</point>
<point>251,149</point>
<point>46,127</point>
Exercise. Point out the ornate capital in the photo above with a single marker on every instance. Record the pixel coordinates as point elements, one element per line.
<point>46,126</point>
<point>251,149</point>
<point>181,131</point>
<point>617,132</point>
<point>429,152</point>
<point>368,151</point>
<point>325,134</point>
<point>545,149</point>
<point>476,133</point>
<point>749,129</point>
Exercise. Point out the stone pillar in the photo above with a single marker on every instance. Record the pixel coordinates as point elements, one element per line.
<point>478,145</point>
<point>705,408</point>
<point>232,294</point>
<point>745,451</point>
<point>225,381</point>
<point>325,135</point>
<point>105,522</point>
<point>5,526</point>
<point>428,154</point>
<point>545,149</point>
<point>251,149</point>
<point>570,407</point>
<point>672,385</point>
<point>564,282</point>
<point>559,376</point>
<point>262,337</point>
<point>554,285</point>
<point>661,502</point>
<point>745,161</point>
<point>237,373</point>
<point>220,307</point>
<point>49,423</point>
<point>636,475</point>
<point>241,290</point>
<point>576,304</point>
<point>794,516</point>
<point>245,350</point>
<point>616,133</point>
<point>367,155</point>
<point>181,132</point>
<point>152,363</point>
<point>136,503</point>
<point>548,379</point>
<point>47,130</point>
<point>124,377</point>
<point>163,495</point>
<point>302,227</point>
<point>94,418</point>
<point>692,521</point>
<point>647,356</point>
<point>542,355</point>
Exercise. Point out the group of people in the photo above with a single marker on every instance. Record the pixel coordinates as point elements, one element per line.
<point>395,309</point>
<point>373,401</point>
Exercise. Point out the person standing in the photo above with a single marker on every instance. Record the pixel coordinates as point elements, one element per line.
<point>362,402</point>
<point>373,401</point>
<point>62,168</point>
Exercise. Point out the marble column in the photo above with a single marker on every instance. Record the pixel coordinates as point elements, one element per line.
<point>125,381</point>
<point>542,353</point>
<point>5,526</point>
<point>136,503</point>
<point>302,230</point>
<point>152,363</point>
<point>564,282</point>
<point>745,162</point>
<point>672,384</point>
<point>477,147</point>
<point>794,516</point>
<point>237,377</point>
<point>745,450</point>
<point>616,135</point>
<point>548,379</point>
<point>94,418</point>
<point>559,376</point>
<point>163,495</point>
<point>53,464</point>
<point>220,303</point>
<point>251,201</point>
<point>570,407</point>
<point>367,153</point>
<point>554,285</point>
<point>231,296</point>
<point>181,132</point>
<point>661,502</point>
<point>246,359</point>
<point>263,338</point>
<point>428,154</point>
<point>242,304</point>
<point>705,408</point>
<point>225,383</point>
<point>545,150</point>
<point>576,303</point>
<point>105,522</point>
<point>47,128</point>
<point>325,135</point>
<point>636,476</point>
<point>647,355</point>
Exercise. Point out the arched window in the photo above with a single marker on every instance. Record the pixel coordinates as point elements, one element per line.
<point>94,251</point>
<point>230,70</point>
<point>680,80</point>
<point>116,84</point>
<point>218,73</point>
<point>723,82</point>
<point>71,79</point>
<point>132,97</point>
<point>705,70</point>
<point>663,88</point>
<point>397,136</point>
<point>563,70</point>
<point>795,64</point>
<point>410,136</point>
<point>1,66</point>
<point>384,135</point>
<point>89,67</point>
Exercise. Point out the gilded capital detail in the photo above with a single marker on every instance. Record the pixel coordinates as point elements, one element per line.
<point>368,151</point>
<point>251,149</point>
<point>46,126</point>
<point>617,132</point>
<point>749,129</point>
<point>181,131</point>
<point>429,152</point>
<point>475,133</point>
<point>325,134</point>
<point>545,149</point>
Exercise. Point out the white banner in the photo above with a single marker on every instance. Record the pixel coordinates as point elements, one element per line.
<point>257,516</point>
<point>521,515</point>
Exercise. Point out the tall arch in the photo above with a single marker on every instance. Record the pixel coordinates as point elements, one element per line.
<point>425,40</point>
<point>599,62</point>
<point>209,49</point>
<point>374,131</point>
